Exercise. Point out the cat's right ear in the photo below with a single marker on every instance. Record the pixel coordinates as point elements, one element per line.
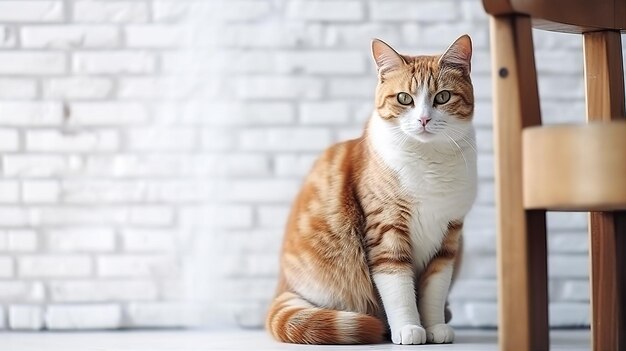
<point>386,58</point>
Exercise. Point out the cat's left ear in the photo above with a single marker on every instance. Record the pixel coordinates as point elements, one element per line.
<point>459,54</point>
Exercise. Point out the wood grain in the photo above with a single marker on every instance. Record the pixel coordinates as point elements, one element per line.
<point>571,16</point>
<point>521,235</point>
<point>604,80</point>
<point>575,167</point>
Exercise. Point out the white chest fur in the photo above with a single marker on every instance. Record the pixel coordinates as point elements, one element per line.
<point>440,178</point>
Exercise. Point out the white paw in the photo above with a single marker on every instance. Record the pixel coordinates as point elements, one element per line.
<point>440,334</point>
<point>409,335</point>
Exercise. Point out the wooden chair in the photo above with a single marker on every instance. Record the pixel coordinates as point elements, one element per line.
<point>571,168</point>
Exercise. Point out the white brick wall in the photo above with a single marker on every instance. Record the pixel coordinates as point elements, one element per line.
<point>149,151</point>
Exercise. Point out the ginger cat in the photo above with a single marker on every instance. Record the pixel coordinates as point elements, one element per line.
<point>374,237</point>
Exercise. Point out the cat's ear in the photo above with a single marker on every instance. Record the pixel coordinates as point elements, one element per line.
<point>387,59</point>
<point>459,54</point>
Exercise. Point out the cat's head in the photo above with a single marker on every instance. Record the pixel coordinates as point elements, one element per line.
<point>427,98</point>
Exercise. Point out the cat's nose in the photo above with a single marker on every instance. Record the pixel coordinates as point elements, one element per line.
<point>424,120</point>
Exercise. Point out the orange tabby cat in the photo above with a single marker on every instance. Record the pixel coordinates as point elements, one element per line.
<point>373,238</point>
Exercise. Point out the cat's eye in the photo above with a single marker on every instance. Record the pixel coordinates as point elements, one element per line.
<point>442,97</point>
<point>405,98</point>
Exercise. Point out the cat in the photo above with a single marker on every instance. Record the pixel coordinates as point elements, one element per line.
<point>374,237</point>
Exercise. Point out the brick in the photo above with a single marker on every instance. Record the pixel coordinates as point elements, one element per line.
<point>347,134</point>
<point>14,216</point>
<point>31,11</point>
<point>107,113</point>
<point>102,291</point>
<point>149,240</point>
<point>155,88</point>
<point>137,266</point>
<point>324,113</point>
<point>31,63</point>
<point>575,290</point>
<point>315,10</point>
<point>3,323</point>
<point>270,35</point>
<point>241,10</point>
<point>569,242</point>
<point>352,87</point>
<point>179,139</point>
<point>258,241</point>
<point>438,36</point>
<point>6,267</point>
<point>217,140</point>
<point>358,35</point>
<point>566,221</point>
<point>18,88</point>
<point>86,239</point>
<point>57,266</point>
<point>8,37</point>
<point>176,191</point>
<point>553,62</point>
<point>104,316</point>
<point>261,265</point>
<point>18,240</point>
<point>111,11</point>
<point>155,36</point>
<point>35,165</point>
<point>294,164</point>
<point>75,88</point>
<point>92,141</point>
<point>26,317</point>
<point>83,215</point>
<point>102,191</point>
<point>261,190</point>
<point>111,62</point>
<point>284,139</point>
<point>272,216</point>
<point>165,314</point>
<point>474,290</point>
<point>149,216</point>
<point>228,114</point>
<point>173,11</point>
<point>569,314</point>
<point>223,216</point>
<point>64,37</point>
<point>424,11</point>
<point>9,190</point>
<point>568,266</point>
<point>265,87</point>
<point>31,113</point>
<point>40,191</point>
<point>21,291</point>
<point>565,87</point>
<point>484,314</point>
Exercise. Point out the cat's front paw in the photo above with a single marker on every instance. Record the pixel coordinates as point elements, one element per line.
<point>440,334</point>
<point>409,335</point>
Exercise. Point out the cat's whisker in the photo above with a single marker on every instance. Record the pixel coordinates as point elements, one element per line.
<point>460,149</point>
<point>464,137</point>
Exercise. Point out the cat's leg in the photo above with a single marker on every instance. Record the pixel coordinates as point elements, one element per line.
<point>434,285</point>
<point>391,266</point>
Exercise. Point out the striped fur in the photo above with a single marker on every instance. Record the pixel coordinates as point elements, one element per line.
<point>379,218</point>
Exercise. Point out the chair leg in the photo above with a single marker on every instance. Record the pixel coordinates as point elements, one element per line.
<point>522,255</point>
<point>608,279</point>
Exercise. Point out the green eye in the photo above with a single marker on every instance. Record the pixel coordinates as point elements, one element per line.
<point>405,98</point>
<point>442,97</point>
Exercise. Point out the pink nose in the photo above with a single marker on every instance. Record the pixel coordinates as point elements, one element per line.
<point>425,120</point>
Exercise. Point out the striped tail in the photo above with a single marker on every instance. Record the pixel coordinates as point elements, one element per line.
<point>292,319</point>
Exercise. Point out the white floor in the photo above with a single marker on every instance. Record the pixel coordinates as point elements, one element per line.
<point>467,340</point>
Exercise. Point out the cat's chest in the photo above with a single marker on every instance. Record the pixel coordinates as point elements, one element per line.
<point>440,192</point>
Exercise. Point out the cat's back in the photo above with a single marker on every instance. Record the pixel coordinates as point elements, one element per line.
<point>327,196</point>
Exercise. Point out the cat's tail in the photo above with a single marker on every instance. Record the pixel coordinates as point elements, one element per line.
<point>294,320</point>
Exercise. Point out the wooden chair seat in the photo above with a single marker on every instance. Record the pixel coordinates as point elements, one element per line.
<point>575,167</point>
